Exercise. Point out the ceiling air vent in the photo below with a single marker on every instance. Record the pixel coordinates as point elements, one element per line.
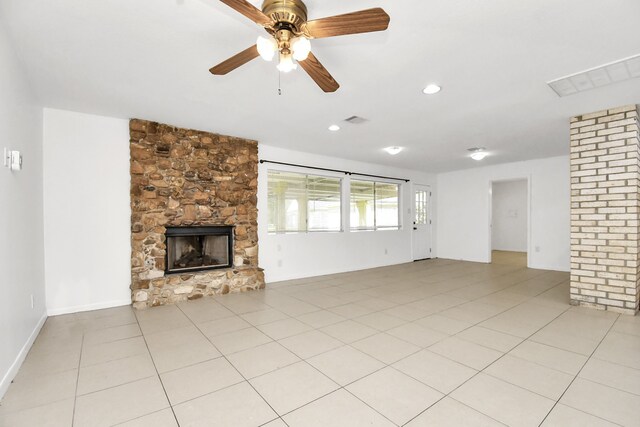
<point>356,120</point>
<point>614,72</point>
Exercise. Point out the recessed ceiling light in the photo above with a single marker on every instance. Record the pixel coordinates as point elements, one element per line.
<point>432,89</point>
<point>334,128</point>
<point>393,150</point>
<point>478,153</point>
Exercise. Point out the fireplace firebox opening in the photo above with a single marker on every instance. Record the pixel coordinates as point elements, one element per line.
<point>198,248</point>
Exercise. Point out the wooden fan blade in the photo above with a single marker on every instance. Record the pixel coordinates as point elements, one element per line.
<point>235,61</point>
<point>250,11</point>
<point>364,21</point>
<point>319,74</point>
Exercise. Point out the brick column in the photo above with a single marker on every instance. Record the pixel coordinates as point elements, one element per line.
<point>605,209</point>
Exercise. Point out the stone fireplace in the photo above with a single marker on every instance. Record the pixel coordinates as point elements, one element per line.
<point>193,214</point>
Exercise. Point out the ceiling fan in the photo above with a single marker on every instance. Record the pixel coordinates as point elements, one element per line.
<point>290,32</point>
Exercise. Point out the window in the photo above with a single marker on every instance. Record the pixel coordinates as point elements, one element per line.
<point>421,207</point>
<point>374,206</point>
<point>299,203</point>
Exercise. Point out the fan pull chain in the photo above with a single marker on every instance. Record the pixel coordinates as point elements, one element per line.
<point>284,8</point>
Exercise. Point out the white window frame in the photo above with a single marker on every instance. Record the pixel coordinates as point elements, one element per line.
<point>305,173</point>
<point>375,227</point>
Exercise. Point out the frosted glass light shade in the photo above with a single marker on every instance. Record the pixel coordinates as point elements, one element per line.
<point>301,46</point>
<point>286,64</point>
<point>267,47</point>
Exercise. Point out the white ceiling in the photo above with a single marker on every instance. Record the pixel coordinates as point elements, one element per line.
<point>150,59</point>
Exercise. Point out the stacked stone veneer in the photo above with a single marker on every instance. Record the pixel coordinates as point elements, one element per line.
<point>183,177</point>
<point>605,177</point>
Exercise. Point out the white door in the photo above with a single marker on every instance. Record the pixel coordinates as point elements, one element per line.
<point>421,222</point>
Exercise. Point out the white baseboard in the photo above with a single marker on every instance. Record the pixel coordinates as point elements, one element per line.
<point>87,307</point>
<point>329,271</point>
<point>550,267</point>
<point>13,370</point>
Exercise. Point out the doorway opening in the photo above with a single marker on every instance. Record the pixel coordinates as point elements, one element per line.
<point>509,229</point>
<point>421,222</point>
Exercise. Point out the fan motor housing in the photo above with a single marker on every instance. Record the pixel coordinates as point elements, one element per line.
<point>286,13</point>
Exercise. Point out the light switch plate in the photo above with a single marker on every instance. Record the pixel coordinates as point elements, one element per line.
<point>16,161</point>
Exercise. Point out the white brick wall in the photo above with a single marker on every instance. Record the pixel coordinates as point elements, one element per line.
<point>605,209</point>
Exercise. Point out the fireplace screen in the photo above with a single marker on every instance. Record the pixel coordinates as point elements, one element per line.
<point>199,248</point>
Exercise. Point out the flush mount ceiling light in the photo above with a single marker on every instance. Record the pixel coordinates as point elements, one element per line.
<point>334,128</point>
<point>431,89</point>
<point>290,32</point>
<point>393,150</point>
<point>478,153</point>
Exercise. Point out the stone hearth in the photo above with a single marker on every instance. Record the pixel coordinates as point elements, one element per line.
<point>180,178</point>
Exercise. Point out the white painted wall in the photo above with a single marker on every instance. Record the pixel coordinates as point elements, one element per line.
<point>291,256</point>
<point>86,211</point>
<point>509,216</point>
<point>86,172</point>
<point>21,236</point>
<point>463,211</point>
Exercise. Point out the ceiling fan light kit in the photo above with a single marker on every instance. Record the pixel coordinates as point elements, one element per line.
<point>289,33</point>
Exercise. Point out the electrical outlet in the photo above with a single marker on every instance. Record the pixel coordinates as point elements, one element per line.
<point>32,304</point>
<point>537,248</point>
<point>279,263</point>
<point>386,251</point>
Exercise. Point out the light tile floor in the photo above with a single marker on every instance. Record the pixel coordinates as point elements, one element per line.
<point>433,343</point>
<point>509,257</point>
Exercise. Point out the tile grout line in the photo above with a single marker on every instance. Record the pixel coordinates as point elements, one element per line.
<point>75,394</point>
<point>482,370</point>
<point>578,374</point>
<point>608,385</point>
<point>392,367</point>
<point>222,355</point>
<point>420,349</point>
<point>71,369</point>
<point>438,293</point>
<point>478,323</point>
<point>281,416</point>
<point>371,294</point>
<point>354,319</point>
<point>157,373</point>
<point>406,322</point>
